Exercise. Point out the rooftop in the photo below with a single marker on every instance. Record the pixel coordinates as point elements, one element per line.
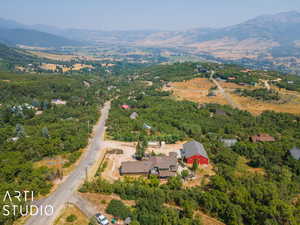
<point>193,148</point>
<point>295,153</point>
<point>143,167</point>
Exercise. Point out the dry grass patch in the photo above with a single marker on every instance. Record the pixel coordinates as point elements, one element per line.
<point>197,90</point>
<point>202,176</point>
<point>242,168</point>
<point>70,209</point>
<point>207,220</point>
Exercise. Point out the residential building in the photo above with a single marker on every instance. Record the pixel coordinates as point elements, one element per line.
<point>194,151</point>
<point>262,138</point>
<point>134,115</point>
<point>295,153</point>
<point>229,142</point>
<point>161,166</point>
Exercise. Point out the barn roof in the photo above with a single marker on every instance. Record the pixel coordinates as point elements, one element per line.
<point>295,152</point>
<point>193,148</point>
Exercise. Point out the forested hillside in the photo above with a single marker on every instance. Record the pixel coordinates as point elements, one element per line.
<point>43,116</point>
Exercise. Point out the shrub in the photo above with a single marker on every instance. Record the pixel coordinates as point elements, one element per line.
<point>118,209</point>
<point>71,218</point>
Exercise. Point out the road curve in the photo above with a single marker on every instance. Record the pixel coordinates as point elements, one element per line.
<point>65,191</point>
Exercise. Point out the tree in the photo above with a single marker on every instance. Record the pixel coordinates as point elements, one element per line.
<point>118,209</point>
<point>134,222</point>
<point>184,174</point>
<point>45,132</point>
<point>71,218</point>
<point>20,131</point>
<point>140,150</point>
<point>195,165</point>
<point>174,183</point>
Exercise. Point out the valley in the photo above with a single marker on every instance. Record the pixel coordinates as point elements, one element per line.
<point>192,120</point>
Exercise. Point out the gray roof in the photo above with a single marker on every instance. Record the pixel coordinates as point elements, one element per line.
<point>161,162</point>
<point>193,148</point>
<point>229,142</point>
<point>134,115</point>
<point>295,152</point>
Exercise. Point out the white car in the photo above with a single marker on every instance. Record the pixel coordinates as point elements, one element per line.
<point>101,219</point>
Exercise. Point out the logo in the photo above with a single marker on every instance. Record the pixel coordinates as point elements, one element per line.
<point>22,203</point>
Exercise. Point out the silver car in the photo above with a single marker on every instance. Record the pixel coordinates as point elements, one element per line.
<point>101,219</point>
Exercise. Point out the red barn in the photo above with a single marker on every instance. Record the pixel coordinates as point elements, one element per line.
<point>194,151</point>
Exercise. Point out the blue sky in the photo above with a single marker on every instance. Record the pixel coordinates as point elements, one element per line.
<point>140,14</point>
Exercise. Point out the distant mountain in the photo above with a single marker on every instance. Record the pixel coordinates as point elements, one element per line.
<point>35,38</point>
<point>281,28</point>
<point>13,33</point>
<point>10,24</point>
<point>269,38</point>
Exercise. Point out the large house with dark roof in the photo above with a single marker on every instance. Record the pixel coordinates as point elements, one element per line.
<point>194,151</point>
<point>161,166</point>
<point>295,153</point>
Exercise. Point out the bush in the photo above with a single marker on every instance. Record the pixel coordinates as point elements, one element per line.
<point>72,158</point>
<point>118,209</point>
<point>71,218</point>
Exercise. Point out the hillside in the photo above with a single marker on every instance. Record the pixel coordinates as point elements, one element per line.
<point>265,42</point>
<point>15,37</point>
<point>11,56</point>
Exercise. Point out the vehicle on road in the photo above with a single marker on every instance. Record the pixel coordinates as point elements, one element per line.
<point>101,219</point>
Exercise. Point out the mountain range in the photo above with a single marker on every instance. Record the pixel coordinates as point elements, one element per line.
<point>273,38</point>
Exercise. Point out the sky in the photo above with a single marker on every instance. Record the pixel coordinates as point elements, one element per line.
<point>140,14</point>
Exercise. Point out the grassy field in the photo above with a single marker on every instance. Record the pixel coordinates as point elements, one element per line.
<point>197,90</point>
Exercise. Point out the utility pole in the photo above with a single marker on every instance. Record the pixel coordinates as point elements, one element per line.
<point>86,174</point>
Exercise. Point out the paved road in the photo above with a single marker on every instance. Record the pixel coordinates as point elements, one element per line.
<point>66,191</point>
<point>224,93</point>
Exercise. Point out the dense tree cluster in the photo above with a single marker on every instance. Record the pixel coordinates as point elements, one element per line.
<point>260,94</point>
<point>26,136</point>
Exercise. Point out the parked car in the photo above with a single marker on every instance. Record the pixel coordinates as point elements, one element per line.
<point>101,219</point>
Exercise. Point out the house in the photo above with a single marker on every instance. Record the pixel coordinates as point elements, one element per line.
<point>246,71</point>
<point>262,138</point>
<point>295,153</point>
<point>86,84</point>
<point>194,151</point>
<point>125,106</point>
<point>229,142</point>
<point>161,166</point>
<point>231,78</point>
<point>220,112</point>
<point>58,102</point>
<point>146,126</point>
<point>134,115</point>
<point>127,221</point>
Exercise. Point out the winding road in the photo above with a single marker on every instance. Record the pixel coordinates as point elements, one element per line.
<point>66,192</point>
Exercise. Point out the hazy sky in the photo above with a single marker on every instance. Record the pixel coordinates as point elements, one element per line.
<point>140,14</point>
